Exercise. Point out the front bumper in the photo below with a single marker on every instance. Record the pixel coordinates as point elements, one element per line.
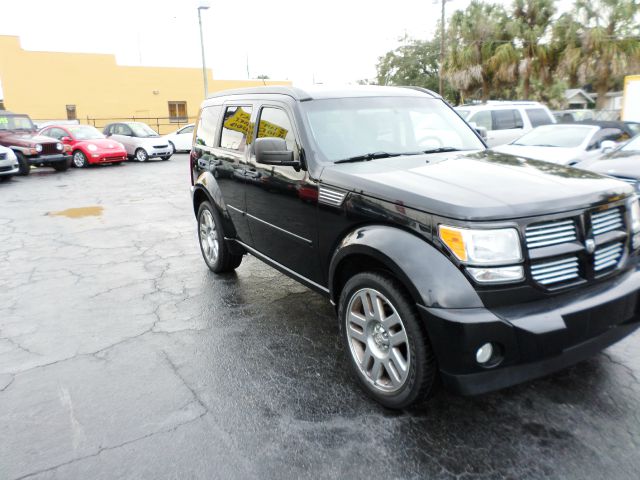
<point>535,338</point>
<point>159,152</point>
<point>108,157</point>
<point>9,167</point>
<point>41,160</point>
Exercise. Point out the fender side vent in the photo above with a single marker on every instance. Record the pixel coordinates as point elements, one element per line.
<point>328,196</point>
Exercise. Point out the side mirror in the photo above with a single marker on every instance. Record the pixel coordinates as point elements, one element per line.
<point>108,134</point>
<point>607,146</point>
<point>66,139</point>
<point>273,151</point>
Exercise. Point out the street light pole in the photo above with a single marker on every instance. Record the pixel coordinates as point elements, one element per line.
<point>203,6</point>
<point>440,79</point>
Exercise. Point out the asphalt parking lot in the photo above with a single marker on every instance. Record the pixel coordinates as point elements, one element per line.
<point>122,356</point>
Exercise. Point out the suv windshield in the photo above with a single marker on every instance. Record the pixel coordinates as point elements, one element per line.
<point>142,130</point>
<point>16,122</point>
<point>367,126</point>
<point>564,136</point>
<point>85,132</point>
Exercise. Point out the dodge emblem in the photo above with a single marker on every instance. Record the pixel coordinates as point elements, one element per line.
<point>590,245</point>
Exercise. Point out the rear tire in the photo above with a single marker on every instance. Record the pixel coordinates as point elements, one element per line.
<point>385,340</point>
<point>214,249</point>
<point>25,168</point>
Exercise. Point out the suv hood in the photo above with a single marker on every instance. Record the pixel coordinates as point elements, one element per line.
<point>480,186</point>
<point>24,139</point>
<point>559,155</point>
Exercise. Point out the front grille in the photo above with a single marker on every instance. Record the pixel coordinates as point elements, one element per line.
<point>161,146</point>
<point>551,233</point>
<point>607,257</point>
<point>6,169</point>
<point>607,221</point>
<point>3,156</point>
<point>557,271</point>
<point>561,251</point>
<point>49,149</point>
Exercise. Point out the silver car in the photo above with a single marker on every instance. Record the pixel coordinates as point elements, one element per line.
<point>140,141</point>
<point>8,163</point>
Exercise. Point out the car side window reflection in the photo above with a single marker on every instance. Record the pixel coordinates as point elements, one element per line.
<point>208,125</point>
<point>274,122</point>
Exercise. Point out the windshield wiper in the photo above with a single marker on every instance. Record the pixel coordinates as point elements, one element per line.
<point>373,156</point>
<point>442,149</point>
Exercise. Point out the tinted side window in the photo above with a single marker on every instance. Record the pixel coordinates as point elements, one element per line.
<point>538,116</point>
<point>506,119</point>
<point>120,129</point>
<point>235,125</point>
<point>208,125</point>
<point>613,134</point>
<point>274,122</point>
<point>188,129</point>
<point>482,119</point>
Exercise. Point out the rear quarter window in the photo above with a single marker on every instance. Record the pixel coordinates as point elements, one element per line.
<point>207,126</point>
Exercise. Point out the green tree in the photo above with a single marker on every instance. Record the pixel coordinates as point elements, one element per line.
<point>530,25</point>
<point>610,41</point>
<point>475,57</point>
<point>415,62</point>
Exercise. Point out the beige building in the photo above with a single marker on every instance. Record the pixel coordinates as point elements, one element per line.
<point>93,88</point>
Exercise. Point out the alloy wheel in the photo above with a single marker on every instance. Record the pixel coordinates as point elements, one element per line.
<point>78,159</point>
<point>209,237</point>
<point>377,340</point>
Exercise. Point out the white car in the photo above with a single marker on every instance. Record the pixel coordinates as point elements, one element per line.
<point>506,121</point>
<point>564,144</point>
<point>8,163</point>
<point>180,140</point>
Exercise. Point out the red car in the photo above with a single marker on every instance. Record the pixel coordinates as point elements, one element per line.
<point>87,145</point>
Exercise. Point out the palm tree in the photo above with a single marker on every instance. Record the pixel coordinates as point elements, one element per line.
<point>531,21</point>
<point>474,36</point>
<point>610,41</point>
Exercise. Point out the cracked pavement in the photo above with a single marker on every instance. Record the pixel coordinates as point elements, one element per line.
<point>122,356</point>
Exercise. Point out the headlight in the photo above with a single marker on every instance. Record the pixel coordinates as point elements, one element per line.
<point>482,247</point>
<point>91,147</point>
<point>11,155</point>
<point>59,146</point>
<point>38,148</point>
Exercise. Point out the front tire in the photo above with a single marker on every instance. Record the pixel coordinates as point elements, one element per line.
<point>62,166</point>
<point>141,155</point>
<point>214,250</point>
<point>165,158</point>
<point>23,163</point>
<point>385,340</point>
<point>80,159</point>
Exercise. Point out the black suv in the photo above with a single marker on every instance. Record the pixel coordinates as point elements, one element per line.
<point>443,259</point>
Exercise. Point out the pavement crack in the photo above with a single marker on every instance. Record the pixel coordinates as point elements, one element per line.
<point>626,367</point>
<point>185,383</point>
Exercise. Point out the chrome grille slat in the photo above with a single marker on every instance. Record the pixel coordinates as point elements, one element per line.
<point>550,233</point>
<point>608,256</point>
<point>607,221</point>
<point>555,271</point>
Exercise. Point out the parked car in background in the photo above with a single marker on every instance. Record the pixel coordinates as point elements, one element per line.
<point>8,164</point>
<point>140,141</point>
<point>443,260</point>
<point>622,163</point>
<point>18,132</point>
<point>575,115</point>
<point>564,144</point>
<point>87,145</point>
<point>630,129</point>
<point>506,121</point>
<point>180,140</point>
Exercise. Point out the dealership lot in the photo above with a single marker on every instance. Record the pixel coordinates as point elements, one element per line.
<point>122,356</point>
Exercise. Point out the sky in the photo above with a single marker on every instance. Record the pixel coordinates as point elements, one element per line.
<point>333,41</point>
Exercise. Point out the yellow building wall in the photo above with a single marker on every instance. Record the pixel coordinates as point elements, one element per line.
<point>41,84</point>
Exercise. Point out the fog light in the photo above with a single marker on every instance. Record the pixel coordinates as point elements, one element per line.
<point>484,353</point>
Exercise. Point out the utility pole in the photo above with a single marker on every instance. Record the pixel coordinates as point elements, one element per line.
<point>204,5</point>
<point>442,30</point>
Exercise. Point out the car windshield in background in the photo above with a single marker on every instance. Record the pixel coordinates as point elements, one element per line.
<point>634,127</point>
<point>632,145</point>
<point>84,132</point>
<point>142,130</point>
<point>16,122</point>
<point>375,127</point>
<point>463,113</point>
<point>563,136</point>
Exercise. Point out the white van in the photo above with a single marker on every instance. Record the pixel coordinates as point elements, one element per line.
<point>506,121</point>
